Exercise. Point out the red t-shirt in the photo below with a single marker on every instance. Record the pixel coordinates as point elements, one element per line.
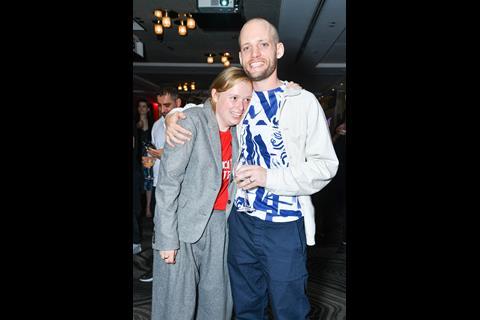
<point>226,141</point>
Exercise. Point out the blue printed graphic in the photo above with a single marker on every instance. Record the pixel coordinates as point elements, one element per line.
<point>262,144</point>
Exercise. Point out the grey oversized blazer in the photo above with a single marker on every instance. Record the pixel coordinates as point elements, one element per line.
<point>189,180</point>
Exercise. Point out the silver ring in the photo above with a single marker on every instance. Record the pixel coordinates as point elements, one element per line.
<point>251,180</point>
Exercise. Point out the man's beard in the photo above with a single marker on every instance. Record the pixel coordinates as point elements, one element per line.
<point>267,73</point>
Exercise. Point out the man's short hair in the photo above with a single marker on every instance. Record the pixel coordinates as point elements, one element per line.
<point>168,91</point>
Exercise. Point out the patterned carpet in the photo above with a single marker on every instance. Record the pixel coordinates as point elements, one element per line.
<point>326,285</point>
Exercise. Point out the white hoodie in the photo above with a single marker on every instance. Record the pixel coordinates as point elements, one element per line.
<point>312,159</point>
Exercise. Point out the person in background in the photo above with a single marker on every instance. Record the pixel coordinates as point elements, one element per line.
<point>144,123</point>
<point>167,99</point>
<point>338,191</point>
<point>137,176</point>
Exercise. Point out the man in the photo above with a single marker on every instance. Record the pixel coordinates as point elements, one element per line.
<point>285,138</point>
<point>167,100</point>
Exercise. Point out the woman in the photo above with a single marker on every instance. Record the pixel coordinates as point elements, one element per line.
<point>144,121</point>
<point>190,275</point>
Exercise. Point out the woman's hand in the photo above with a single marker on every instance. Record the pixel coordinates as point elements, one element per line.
<point>168,256</point>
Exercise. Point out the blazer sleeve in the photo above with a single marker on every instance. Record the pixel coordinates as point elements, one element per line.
<point>314,171</point>
<point>171,175</point>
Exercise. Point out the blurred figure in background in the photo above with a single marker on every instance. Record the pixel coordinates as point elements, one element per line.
<point>338,183</point>
<point>144,124</point>
<point>137,176</point>
<point>167,99</point>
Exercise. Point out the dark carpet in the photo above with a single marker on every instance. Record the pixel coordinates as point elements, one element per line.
<point>326,284</point>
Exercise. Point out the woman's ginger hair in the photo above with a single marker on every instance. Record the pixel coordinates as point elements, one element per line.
<point>227,79</point>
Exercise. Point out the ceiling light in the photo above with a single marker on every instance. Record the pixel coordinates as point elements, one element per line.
<point>225,57</point>
<point>162,18</point>
<point>166,21</point>
<point>158,13</point>
<point>182,29</point>
<point>158,28</point>
<point>224,3</point>
<point>210,57</point>
<point>186,85</point>
<point>190,22</point>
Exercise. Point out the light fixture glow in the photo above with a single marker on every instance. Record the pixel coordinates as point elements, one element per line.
<point>225,57</point>
<point>226,63</point>
<point>182,29</point>
<point>184,21</point>
<point>190,22</point>
<point>158,13</point>
<point>166,21</point>
<point>158,29</point>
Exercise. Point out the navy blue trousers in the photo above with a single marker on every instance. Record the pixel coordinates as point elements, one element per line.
<point>267,260</point>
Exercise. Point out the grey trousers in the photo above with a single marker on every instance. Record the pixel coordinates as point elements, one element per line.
<point>197,286</point>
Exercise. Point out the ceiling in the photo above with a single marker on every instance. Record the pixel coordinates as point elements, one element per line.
<point>313,33</point>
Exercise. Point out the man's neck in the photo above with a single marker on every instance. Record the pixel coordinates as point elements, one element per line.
<point>270,83</point>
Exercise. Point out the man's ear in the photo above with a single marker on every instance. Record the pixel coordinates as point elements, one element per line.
<point>280,50</point>
<point>178,102</point>
<point>240,57</point>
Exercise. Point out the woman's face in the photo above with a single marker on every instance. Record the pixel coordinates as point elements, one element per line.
<point>142,108</point>
<point>231,104</point>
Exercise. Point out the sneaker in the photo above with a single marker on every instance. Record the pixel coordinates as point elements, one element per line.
<point>147,277</point>
<point>137,248</point>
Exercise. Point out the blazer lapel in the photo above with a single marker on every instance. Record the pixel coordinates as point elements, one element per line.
<point>214,135</point>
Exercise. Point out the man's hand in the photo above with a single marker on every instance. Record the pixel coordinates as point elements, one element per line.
<point>156,153</point>
<point>175,133</point>
<point>248,177</point>
<point>168,256</point>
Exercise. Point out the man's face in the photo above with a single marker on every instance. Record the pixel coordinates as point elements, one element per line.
<point>166,103</point>
<point>258,50</point>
